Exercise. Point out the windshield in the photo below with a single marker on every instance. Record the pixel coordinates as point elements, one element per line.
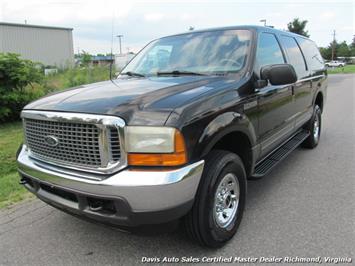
<point>196,53</point>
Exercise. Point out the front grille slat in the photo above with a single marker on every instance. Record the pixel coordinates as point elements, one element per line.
<point>78,143</point>
<point>115,144</point>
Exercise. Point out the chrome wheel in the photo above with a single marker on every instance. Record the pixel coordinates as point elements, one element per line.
<point>316,128</point>
<point>226,200</point>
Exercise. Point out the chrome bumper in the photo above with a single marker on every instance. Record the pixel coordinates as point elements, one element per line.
<point>143,191</point>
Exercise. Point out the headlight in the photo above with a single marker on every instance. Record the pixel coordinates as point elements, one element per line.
<point>154,146</point>
<point>149,139</point>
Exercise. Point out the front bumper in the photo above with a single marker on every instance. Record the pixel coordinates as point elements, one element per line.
<point>128,198</point>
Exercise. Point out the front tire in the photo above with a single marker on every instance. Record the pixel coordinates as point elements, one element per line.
<point>220,200</point>
<point>314,127</point>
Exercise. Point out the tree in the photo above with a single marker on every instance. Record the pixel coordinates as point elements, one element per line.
<point>342,49</point>
<point>18,78</point>
<point>352,51</point>
<point>326,53</point>
<point>298,26</point>
<point>352,47</point>
<point>17,73</point>
<point>85,58</point>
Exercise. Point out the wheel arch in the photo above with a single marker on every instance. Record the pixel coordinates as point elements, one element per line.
<point>234,139</point>
<point>319,100</point>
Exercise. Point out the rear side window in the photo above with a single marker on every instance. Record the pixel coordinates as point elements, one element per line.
<point>294,55</point>
<point>311,52</point>
<point>268,52</point>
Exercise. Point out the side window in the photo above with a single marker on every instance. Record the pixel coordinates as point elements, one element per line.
<point>312,54</point>
<point>294,55</point>
<point>268,52</point>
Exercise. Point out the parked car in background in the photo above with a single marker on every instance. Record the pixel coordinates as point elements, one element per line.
<point>334,64</point>
<point>179,132</point>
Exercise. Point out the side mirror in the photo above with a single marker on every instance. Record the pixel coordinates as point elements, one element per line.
<point>279,74</point>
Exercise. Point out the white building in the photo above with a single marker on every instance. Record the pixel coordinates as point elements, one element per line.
<point>51,46</point>
<point>121,60</point>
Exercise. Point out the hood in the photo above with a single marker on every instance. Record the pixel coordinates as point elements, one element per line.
<point>137,100</point>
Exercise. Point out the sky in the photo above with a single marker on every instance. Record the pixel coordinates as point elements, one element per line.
<point>95,22</point>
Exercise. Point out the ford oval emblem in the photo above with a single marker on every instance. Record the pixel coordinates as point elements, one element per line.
<point>51,141</point>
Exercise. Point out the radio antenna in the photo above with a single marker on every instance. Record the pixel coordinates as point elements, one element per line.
<point>112,31</point>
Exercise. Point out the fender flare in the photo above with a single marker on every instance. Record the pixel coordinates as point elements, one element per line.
<point>222,125</point>
<point>318,92</point>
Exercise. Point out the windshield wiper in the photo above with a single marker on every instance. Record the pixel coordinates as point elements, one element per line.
<point>132,74</point>
<point>179,73</point>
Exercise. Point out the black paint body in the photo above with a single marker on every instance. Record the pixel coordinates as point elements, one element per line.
<point>205,109</point>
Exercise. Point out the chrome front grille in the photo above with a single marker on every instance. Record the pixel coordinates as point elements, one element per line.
<point>77,143</point>
<point>83,142</point>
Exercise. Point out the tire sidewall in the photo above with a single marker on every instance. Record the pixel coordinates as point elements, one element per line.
<point>317,113</point>
<point>229,164</point>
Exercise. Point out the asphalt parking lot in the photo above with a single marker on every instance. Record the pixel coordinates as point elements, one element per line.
<point>304,208</point>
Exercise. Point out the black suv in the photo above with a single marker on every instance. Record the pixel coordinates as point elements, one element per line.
<point>179,131</point>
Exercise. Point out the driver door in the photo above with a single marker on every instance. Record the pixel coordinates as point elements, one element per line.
<point>274,102</point>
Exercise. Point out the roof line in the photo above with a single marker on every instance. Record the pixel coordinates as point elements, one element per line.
<point>33,26</point>
<point>255,27</point>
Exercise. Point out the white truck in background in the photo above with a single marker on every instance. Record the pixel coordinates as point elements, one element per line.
<point>335,63</point>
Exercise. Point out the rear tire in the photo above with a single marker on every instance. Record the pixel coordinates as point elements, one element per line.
<point>220,200</point>
<point>314,127</point>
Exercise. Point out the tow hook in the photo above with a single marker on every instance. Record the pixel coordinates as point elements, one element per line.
<point>22,181</point>
<point>96,206</point>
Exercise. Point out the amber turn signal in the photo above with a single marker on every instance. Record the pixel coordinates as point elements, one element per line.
<point>178,157</point>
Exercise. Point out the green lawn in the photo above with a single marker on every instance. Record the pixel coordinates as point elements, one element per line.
<point>10,139</point>
<point>339,70</point>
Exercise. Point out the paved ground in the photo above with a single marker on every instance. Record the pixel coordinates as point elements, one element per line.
<point>304,208</point>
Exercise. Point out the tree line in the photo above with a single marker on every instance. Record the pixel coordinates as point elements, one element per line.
<point>342,49</point>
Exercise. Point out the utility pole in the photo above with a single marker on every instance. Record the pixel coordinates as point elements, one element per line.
<point>333,45</point>
<point>119,38</point>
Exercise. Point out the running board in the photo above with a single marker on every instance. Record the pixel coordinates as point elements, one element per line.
<point>266,165</point>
